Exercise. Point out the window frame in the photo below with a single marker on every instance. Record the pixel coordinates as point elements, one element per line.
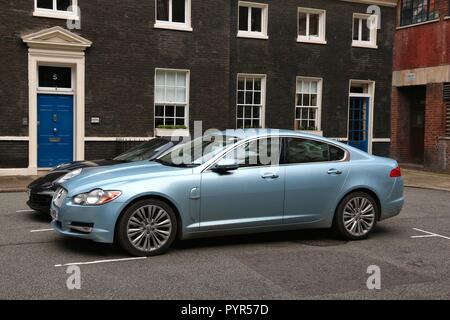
<point>263,34</point>
<point>186,26</point>
<point>263,78</point>
<point>55,13</point>
<point>59,90</point>
<point>319,102</point>
<point>284,150</point>
<point>321,39</point>
<point>373,33</point>
<point>411,17</point>
<point>175,104</point>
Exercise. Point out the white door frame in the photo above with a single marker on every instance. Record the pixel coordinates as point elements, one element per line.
<point>371,96</point>
<point>56,47</point>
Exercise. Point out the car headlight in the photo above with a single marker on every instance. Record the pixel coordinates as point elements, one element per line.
<point>69,175</point>
<point>95,197</point>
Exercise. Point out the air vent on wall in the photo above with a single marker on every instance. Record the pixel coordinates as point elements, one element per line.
<point>447,104</point>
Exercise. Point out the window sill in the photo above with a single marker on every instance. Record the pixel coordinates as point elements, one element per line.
<point>255,35</point>
<point>172,132</point>
<point>364,45</point>
<point>56,15</point>
<point>312,41</point>
<point>172,26</point>
<point>418,24</point>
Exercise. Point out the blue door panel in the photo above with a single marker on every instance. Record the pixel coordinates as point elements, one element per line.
<point>55,130</point>
<point>359,123</point>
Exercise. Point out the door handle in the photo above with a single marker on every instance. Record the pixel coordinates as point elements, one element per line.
<point>334,171</point>
<point>270,176</point>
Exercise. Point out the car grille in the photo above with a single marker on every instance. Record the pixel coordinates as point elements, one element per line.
<point>40,199</point>
<point>59,197</point>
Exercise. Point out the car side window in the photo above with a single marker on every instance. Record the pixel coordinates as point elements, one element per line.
<point>307,151</point>
<point>257,153</point>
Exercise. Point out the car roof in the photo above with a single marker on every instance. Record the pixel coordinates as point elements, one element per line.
<point>253,133</point>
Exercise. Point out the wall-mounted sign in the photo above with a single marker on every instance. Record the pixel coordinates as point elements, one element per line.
<point>95,120</point>
<point>411,77</point>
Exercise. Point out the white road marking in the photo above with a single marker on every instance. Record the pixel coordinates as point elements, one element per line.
<point>98,261</point>
<point>41,230</point>
<point>25,211</point>
<point>429,234</point>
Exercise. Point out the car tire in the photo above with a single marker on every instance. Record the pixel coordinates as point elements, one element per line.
<point>153,221</point>
<point>356,216</point>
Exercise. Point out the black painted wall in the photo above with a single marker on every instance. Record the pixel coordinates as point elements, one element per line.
<point>126,49</point>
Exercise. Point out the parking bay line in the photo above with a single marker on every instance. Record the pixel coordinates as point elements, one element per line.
<point>41,230</point>
<point>25,211</point>
<point>98,261</point>
<point>428,234</point>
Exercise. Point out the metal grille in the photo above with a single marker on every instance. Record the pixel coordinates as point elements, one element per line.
<point>447,104</point>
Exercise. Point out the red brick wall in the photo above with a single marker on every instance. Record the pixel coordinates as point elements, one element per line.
<point>435,124</point>
<point>424,45</point>
<point>400,126</point>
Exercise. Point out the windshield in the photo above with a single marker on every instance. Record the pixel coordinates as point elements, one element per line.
<point>144,151</point>
<point>198,151</point>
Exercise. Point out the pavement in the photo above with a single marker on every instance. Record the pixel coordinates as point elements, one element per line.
<point>413,178</point>
<point>411,252</point>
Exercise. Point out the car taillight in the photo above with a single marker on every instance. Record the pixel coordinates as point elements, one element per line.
<point>395,173</point>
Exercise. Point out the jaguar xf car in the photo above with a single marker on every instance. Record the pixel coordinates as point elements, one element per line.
<point>232,182</point>
<point>41,190</point>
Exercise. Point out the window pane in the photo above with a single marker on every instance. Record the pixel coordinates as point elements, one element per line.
<point>179,122</point>
<point>313,86</point>
<point>257,98</point>
<point>181,79</point>
<point>241,99</point>
<point>63,4</point>
<point>241,84</point>
<point>159,111</point>
<point>355,29</point>
<point>243,18</point>
<point>159,94</point>
<point>365,35</point>
<point>306,151</point>
<point>160,78</point>
<point>256,19</point>
<point>170,94</point>
<point>178,11</point>
<point>258,84</point>
<point>249,84</point>
<point>159,122</point>
<point>314,25</point>
<point>45,4</point>
<point>170,111</point>
<point>55,77</point>
<point>162,10</point>
<point>170,78</point>
<point>336,154</point>
<point>181,95</point>
<point>180,112</point>
<point>314,100</point>
<point>302,24</point>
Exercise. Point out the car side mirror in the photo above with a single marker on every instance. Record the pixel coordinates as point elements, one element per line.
<point>225,165</point>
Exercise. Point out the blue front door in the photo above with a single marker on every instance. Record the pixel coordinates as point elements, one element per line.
<point>359,123</point>
<point>55,129</point>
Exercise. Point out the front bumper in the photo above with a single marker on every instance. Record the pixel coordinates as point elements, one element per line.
<point>98,222</point>
<point>40,201</point>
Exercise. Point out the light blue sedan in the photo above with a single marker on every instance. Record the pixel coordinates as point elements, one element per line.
<point>231,182</point>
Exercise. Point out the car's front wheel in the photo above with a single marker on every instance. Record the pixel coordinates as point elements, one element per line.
<point>356,216</point>
<point>147,228</point>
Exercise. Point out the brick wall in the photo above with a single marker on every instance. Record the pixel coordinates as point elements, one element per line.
<point>435,123</point>
<point>400,124</point>
<point>425,45</point>
<point>126,49</point>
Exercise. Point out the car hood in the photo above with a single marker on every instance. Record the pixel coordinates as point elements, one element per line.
<point>113,177</point>
<point>87,164</point>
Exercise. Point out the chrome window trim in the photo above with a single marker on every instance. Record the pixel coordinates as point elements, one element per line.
<point>216,159</point>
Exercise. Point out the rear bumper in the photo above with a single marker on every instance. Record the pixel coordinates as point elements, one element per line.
<point>392,209</point>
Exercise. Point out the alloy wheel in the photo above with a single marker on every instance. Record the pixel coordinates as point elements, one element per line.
<point>149,228</point>
<point>359,216</point>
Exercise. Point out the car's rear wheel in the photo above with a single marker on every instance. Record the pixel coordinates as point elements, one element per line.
<point>356,216</point>
<point>147,228</point>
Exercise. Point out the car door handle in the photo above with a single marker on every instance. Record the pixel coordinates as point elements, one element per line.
<point>270,176</point>
<point>334,171</point>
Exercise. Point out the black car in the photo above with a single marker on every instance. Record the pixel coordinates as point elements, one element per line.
<point>40,191</point>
